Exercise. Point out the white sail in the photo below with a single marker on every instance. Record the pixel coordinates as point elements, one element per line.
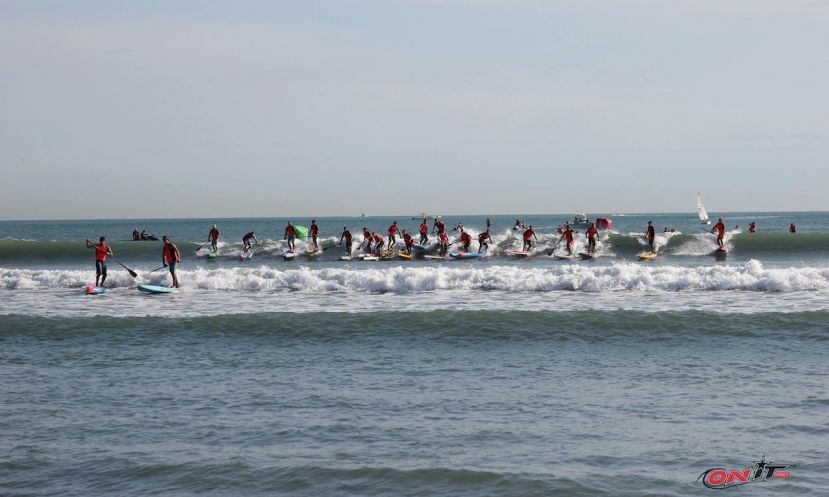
<point>703,215</point>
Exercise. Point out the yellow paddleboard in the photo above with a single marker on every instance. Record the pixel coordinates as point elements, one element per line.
<point>646,256</point>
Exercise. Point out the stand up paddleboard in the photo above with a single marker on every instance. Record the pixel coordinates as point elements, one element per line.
<point>466,255</point>
<point>586,256</point>
<point>370,258</point>
<point>434,257</point>
<point>345,257</point>
<point>212,255</point>
<point>565,257</point>
<point>518,253</point>
<point>95,290</point>
<point>646,256</point>
<point>404,256</point>
<point>155,289</point>
<point>246,255</point>
<point>313,252</point>
<point>289,256</point>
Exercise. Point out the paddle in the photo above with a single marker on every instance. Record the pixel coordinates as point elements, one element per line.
<point>158,269</point>
<point>552,250</point>
<point>132,273</point>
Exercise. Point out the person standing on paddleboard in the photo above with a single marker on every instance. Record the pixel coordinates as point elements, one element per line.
<point>378,243</point>
<point>424,232</point>
<point>102,250</point>
<point>170,256</point>
<point>793,228</point>
<point>315,233</point>
<point>439,225</point>
<point>247,238</point>
<point>719,230</point>
<point>366,240</point>
<point>466,240</point>
<point>213,238</point>
<point>444,242</point>
<point>346,236</point>
<point>408,241</point>
<point>528,236</point>
<point>592,233</point>
<point>393,229</point>
<point>752,227</point>
<point>650,235</point>
<point>483,246</point>
<point>290,235</point>
<point>568,235</point>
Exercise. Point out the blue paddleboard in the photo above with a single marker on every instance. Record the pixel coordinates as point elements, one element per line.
<point>465,255</point>
<point>156,289</point>
<point>95,290</point>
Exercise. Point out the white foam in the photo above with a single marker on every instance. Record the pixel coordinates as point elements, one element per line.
<point>618,277</point>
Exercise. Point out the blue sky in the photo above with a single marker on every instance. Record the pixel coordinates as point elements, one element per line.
<point>179,109</point>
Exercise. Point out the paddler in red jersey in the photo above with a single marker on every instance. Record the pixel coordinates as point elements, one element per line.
<point>290,235</point>
<point>366,240</point>
<point>393,229</point>
<point>719,230</point>
<point>528,239</point>
<point>650,234</point>
<point>102,250</point>
<point>444,243</point>
<point>439,226</point>
<point>170,256</point>
<point>315,233</point>
<point>409,241</point>
<point>346,236</point>
<point>213,238</point>
<point>793,228</point>
<point>568,236</point>
<point>424,232</point>
<point>378,243</point>
<point>592,233</point>
<point>466,240</point>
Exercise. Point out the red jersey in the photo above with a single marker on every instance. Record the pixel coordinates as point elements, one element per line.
<point>444,238</point>
<point>466,238</point>
<point>315,230</point>
<point>408,239</point>
<point>482,237</point>
<point>393,229</point>
<point>720,229</point>
<point>101,250</point>
<point>568,235</point>
<point>528,234</point>
<point>424,228</point>
<point>651,233</point>
<point>214,234</point>
<point>171,253</point>
<point>366,235</point>
<point>290,230</point>
<point>592,232</point>
<point>378,238</point>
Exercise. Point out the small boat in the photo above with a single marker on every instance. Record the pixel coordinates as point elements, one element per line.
<point>580,220</point>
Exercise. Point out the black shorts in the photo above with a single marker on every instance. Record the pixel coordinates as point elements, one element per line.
<point>100,268</point>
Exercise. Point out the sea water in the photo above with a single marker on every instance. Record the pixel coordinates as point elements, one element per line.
<point>497,376</point>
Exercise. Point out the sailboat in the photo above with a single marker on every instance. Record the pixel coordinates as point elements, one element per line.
<point>703,215</point>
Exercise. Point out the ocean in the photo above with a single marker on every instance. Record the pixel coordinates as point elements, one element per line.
<point>499,376</point>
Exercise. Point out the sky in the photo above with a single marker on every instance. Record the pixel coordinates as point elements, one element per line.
<point>123,109</point>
